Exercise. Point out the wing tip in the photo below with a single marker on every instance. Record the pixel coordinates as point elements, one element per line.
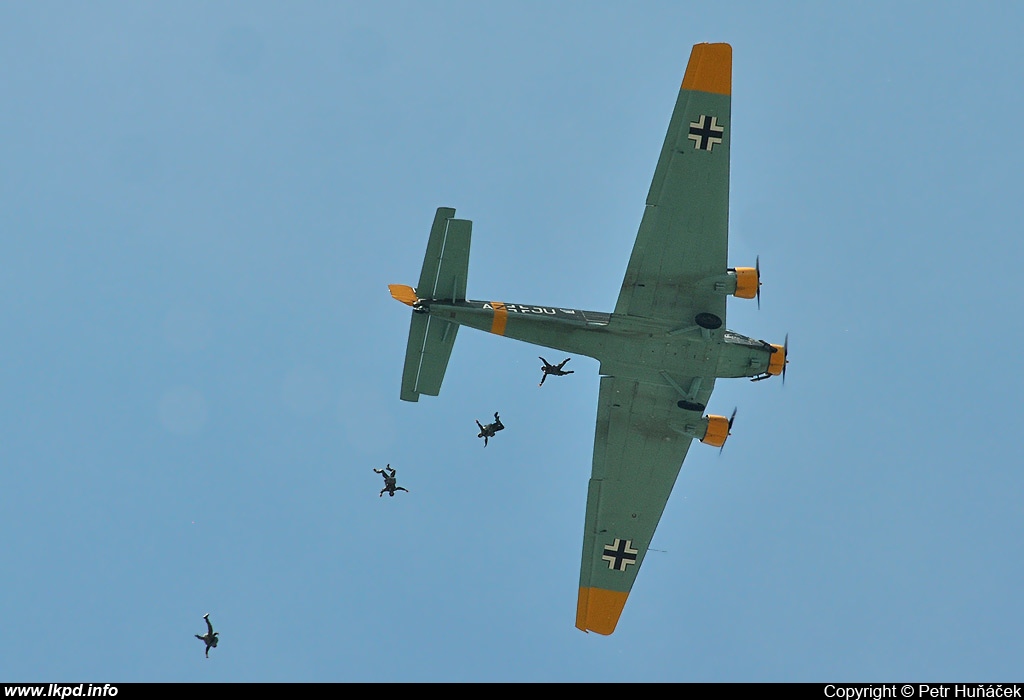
<point>598,610</point>
<point>709,69</point>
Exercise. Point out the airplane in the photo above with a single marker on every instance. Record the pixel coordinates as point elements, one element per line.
<point>660,350</point>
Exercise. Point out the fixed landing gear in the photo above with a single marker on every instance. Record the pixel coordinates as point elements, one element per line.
<point>691,406</point>
<point>707,321</point>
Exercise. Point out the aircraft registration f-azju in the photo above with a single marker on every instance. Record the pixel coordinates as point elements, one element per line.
<point>660,350</point>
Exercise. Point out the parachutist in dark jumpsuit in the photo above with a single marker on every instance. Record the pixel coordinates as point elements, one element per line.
<point>490,429</point>
<point>210,637</point>
<point>390,482</point>
<point>556,370</point>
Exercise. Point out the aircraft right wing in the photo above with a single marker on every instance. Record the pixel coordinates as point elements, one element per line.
<point>682,245</point>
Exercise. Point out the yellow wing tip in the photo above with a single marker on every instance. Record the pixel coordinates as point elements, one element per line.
<point>709,69</point>
<point>403,292</point>
<point>598,610</point>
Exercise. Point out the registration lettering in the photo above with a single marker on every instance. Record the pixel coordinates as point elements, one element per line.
<point>524,309</point>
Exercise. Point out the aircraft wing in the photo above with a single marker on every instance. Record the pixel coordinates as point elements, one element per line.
<point>679,256</point>
<point>682,244</point>
<point>639,446</point>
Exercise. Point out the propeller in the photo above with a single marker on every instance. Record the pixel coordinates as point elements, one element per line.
<point>757,267</point>
<point>729,431</point>
<point>785,351</point>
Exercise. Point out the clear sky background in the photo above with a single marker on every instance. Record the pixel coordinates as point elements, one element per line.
<point>202,205</point>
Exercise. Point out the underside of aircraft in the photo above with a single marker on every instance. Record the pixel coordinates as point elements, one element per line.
<point>660,350</point>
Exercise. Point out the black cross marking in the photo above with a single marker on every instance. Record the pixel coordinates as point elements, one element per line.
<point>706,132</point>
<point>619,554</point>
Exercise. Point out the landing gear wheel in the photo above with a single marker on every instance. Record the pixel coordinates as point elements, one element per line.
<point>708,321</point>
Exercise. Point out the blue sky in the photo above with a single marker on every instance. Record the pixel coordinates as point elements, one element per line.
<point>202,205</point>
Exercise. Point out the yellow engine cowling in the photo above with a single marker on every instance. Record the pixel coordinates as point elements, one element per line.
<point>747,281</point>
<point>777,361</point>
<point>718,431</point>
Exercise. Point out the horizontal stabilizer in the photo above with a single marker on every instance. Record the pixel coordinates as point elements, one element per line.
<point>442,278</point>
<point>446,262</point>
<point>426,356</point>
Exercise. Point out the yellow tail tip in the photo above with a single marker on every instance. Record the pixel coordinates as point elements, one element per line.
<point>404,293</point>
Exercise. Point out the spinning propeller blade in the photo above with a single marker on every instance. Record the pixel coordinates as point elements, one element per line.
<point>757,266</point>
<point>731,419</point>
<point>785,351</point>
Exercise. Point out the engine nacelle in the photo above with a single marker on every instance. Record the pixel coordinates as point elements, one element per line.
<point>748,279</point>
<point>717,431</point>
<point>777,360</point>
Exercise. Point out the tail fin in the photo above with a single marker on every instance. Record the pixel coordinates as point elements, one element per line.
<point>442,278</point>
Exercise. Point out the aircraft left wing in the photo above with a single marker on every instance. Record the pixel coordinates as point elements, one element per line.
<point>639,446</point>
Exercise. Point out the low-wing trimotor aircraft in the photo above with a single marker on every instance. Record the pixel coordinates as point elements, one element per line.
<point>660,351</point>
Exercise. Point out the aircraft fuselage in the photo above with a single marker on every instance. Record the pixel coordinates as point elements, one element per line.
<point>642,347</point>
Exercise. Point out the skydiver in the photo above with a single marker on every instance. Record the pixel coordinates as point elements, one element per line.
<point>210,637</point>
<point>390,482</point>
<point>490,429</point>
<point>556,370</point>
